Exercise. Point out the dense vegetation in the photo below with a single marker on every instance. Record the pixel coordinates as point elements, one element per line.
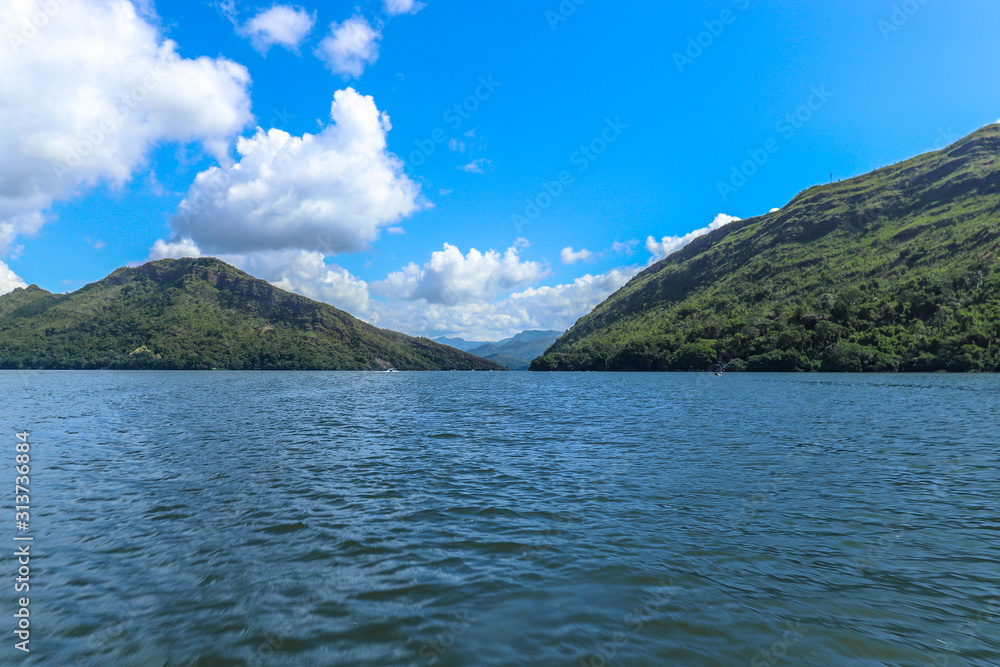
<point>201,314</point>
<point>896,270</point>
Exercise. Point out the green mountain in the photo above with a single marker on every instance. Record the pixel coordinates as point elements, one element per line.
<point>893,270</point>
<point>516,352</point>
<point>200,314</point>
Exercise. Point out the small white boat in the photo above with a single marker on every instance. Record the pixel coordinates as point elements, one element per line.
<point>391,370</point>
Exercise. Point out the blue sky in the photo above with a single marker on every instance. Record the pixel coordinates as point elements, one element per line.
<point>580,126</point>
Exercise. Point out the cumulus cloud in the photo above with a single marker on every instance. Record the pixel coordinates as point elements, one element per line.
<point>283,25</point>
<point>88,87</point>
<point>671,244</point>
<point>175,250</point>
<point>307,273</point>
<point>396,7</point>
<point>569,256</point>
<point>350,47</point>
<point>450,277</point>
<point>9,281</point>
<point>330,192</point>
<point>556,308</point>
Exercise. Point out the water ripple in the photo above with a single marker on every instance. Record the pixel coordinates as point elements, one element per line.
<point>497,519</point>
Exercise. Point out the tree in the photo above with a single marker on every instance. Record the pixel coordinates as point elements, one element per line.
<point>695,356</point>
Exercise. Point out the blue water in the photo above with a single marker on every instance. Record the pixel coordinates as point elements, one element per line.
<point>507,519</point>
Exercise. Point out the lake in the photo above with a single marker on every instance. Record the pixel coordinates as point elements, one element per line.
<point>590,519</point>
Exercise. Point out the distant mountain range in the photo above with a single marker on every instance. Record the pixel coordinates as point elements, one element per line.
<point>202,314</point>
<point>896,270</point>
<point>515,352</point>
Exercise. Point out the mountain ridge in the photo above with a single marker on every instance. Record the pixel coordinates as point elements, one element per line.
<point>897,269</point>
<point>515,352</point>
<point>201,313</point>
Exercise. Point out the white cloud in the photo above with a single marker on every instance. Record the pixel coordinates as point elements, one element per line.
<point>228,9</point>
<point>155,186</point>
<point>306,273</point>
<point>146,8</point>
<point>396,7</point>
<point>556,308</point>
<point>569,256</point>
<point>774,210</point>
<point>476,166</point>
<point>9,281</point>
<point>25,224</point>
<point>330,192</point>
<point>451,278</point>
<point>88,87</point>
<point>561,306</point>
<point>283,25</point>
<point>671,244</point>
<point>350,47</point>
<point>176,250</point>
<point>626,248</point>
